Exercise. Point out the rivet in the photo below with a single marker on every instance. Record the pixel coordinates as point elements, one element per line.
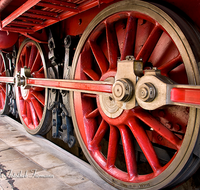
<point>177,127</point>
<point>168,125</point>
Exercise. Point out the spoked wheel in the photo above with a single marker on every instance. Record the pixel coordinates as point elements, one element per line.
<point>4,108</point>
<point>31,103</point>
<point>137,148</point>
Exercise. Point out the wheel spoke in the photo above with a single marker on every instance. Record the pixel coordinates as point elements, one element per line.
<point>32,56</point>
<point>38,107</point>
<point>158,127</point>
<point>41,70</point>
<point>112,146</point>
<point>3,87</point>
<point>39,97</point>
<point>37,74</point>
<point>3,73</point>
<point>129,151</point>
<point>150,43</point>
<point>24,109</point>
<point>167,67</point>
<point>29,118</point>
<point>112,45</point>
<point>99,56</point>
<point>94,144</point>
<point>91,74</point>
<point>3,96</point>
<point>37,63</point>
<point>33,115</point>
<point>93,114</point>
<point>144,144</point>
<point>129,39</point>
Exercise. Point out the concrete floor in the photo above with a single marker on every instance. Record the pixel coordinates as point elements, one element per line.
<point>31,162</point>
<point>34,163</point>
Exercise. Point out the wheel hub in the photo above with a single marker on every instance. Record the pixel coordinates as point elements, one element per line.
<point>108,103</point>
<point>123,90</point>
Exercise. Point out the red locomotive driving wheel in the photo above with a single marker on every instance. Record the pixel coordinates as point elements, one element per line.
<point>31,102</point>
<point>137,148</point>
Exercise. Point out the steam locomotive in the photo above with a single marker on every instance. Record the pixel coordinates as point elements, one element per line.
<point>119,77</point>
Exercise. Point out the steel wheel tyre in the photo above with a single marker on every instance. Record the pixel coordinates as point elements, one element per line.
<point>155,146</point>
<point>31,103</point>
<point>4,108</point>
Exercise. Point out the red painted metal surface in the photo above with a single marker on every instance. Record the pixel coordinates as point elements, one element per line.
<point>5,79</point>
<point>26,6</point>
<point>76,85</point>
<point>186,95</point>
<point>2,85</point>
<point>31,101</point>
<point>147,40</point>
<point>7,39</point>
<point>45,12</point>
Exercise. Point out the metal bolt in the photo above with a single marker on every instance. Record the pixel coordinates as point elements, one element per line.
<point>168,125</point>
<point>54,122</point>
<point>129,57</point>
<point>123,90</point>
<point>63,127</point>
<point>147,92</point>
<point>63,114</point>
<point>54,111</point>
<point>177,127</point>
<point>143,92</point>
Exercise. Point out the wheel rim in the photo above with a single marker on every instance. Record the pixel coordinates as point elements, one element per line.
<point>3,86</point>
<point>100,46</point>
<point>31,102</point>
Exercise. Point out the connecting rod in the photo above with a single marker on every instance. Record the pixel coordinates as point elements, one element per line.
<point>150,91</point>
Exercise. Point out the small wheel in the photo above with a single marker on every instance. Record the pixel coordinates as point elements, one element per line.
<point>137,148</point>
<point>4,108</point>
<point>31,103</point>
